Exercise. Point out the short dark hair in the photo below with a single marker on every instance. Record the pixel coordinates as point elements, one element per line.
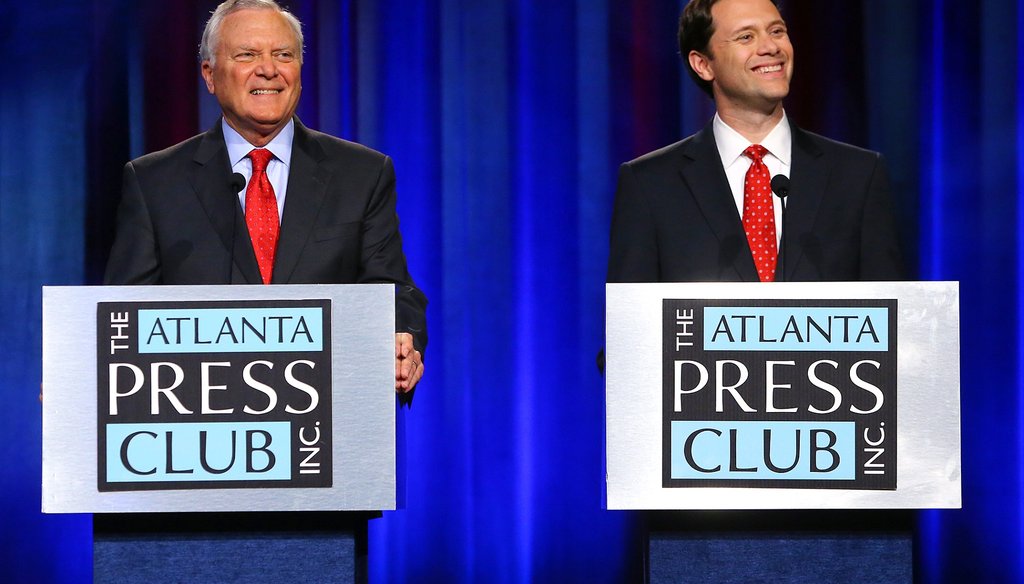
<point>695,29</point>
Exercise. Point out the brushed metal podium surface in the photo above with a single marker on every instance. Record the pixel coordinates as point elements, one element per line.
<point>363,403</point>
<point>928,405</point>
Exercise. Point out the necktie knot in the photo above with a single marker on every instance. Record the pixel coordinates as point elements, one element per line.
<point>260,159</point>
<point>755,152</point>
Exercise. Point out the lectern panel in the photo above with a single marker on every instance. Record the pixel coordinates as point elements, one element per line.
<point>218,398</point>
<point>783,395</point>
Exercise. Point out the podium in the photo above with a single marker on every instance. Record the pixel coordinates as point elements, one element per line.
<point>782,432</point>
<point>221,433</point>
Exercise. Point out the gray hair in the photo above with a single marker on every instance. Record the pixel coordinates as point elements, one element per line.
<point>211,33</point>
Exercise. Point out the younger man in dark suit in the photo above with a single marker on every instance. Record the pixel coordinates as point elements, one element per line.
<point>703,209</point>
<point>312,209</point>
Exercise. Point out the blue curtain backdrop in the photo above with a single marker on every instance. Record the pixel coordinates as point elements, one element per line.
<point>506,120</point>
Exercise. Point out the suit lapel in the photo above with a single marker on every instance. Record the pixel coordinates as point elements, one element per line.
<point>307,187</point>
<point>808,179</point>
<point>211,180</point>
<point>703,173</point>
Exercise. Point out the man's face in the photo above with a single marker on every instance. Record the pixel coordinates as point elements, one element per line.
<point>751,61</point>
<point>257,74</point>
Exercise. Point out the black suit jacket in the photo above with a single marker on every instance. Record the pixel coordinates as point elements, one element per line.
<point>180,222</point>
<point>675,219</point>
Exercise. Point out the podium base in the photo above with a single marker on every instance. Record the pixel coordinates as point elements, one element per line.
<point>780,546</point>
<point>254,548</point>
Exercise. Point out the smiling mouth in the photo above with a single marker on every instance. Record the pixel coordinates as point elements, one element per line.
<point>769,69</point>
<point>264,92</point>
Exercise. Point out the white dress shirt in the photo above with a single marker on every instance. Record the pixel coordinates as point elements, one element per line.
<point>277,168</point>
<point>731,145</point>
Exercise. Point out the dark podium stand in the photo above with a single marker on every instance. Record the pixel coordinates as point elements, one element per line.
<point>255,548</point>
<point>763,440</point>
<point>806,547</point>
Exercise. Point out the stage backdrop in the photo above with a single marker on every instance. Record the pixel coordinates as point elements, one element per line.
<point>506,121</point>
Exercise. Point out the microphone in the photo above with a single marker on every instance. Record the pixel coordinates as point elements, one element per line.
<point>238,182</point>
<point>780,186</point>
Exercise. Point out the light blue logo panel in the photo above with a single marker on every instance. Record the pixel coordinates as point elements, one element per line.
<point>815,451</point>
<point>827,328</point>
<point>218,451</point>
<point>231,330</point>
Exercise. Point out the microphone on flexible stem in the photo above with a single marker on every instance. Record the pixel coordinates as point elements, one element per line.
<point>237,184</point>
<point>780,186</point>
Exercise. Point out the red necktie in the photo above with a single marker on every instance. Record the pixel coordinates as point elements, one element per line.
<point>759,214</point>
<point>261,213</point>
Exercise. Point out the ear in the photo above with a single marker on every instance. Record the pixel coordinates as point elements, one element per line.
<point>701,65</point>
<point>207,71</point>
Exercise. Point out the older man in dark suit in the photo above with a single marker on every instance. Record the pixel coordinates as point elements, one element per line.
<point>702,209</point>
<point>261,199</point>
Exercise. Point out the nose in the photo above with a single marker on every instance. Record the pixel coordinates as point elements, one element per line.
<point>767,46</point>
<point>266,67</point>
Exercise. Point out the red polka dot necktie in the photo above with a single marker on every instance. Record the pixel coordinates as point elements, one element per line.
<point>261,213</point>
<point>759,213</point>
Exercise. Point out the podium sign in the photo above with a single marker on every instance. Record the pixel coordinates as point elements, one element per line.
<point>783,395</point>
<point>218,398</point>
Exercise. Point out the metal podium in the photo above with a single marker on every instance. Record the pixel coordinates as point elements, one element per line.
<point>785,431</point>
<point>221,433</point>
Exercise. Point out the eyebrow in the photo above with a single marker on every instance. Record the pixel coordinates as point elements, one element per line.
<point>257,49</point>
<point>754,26</point>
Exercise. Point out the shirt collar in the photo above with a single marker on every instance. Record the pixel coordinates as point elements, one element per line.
<point>731,144</point>
<point>239,148</point>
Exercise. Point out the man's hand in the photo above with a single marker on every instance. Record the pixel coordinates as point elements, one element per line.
<point>408,363</point>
